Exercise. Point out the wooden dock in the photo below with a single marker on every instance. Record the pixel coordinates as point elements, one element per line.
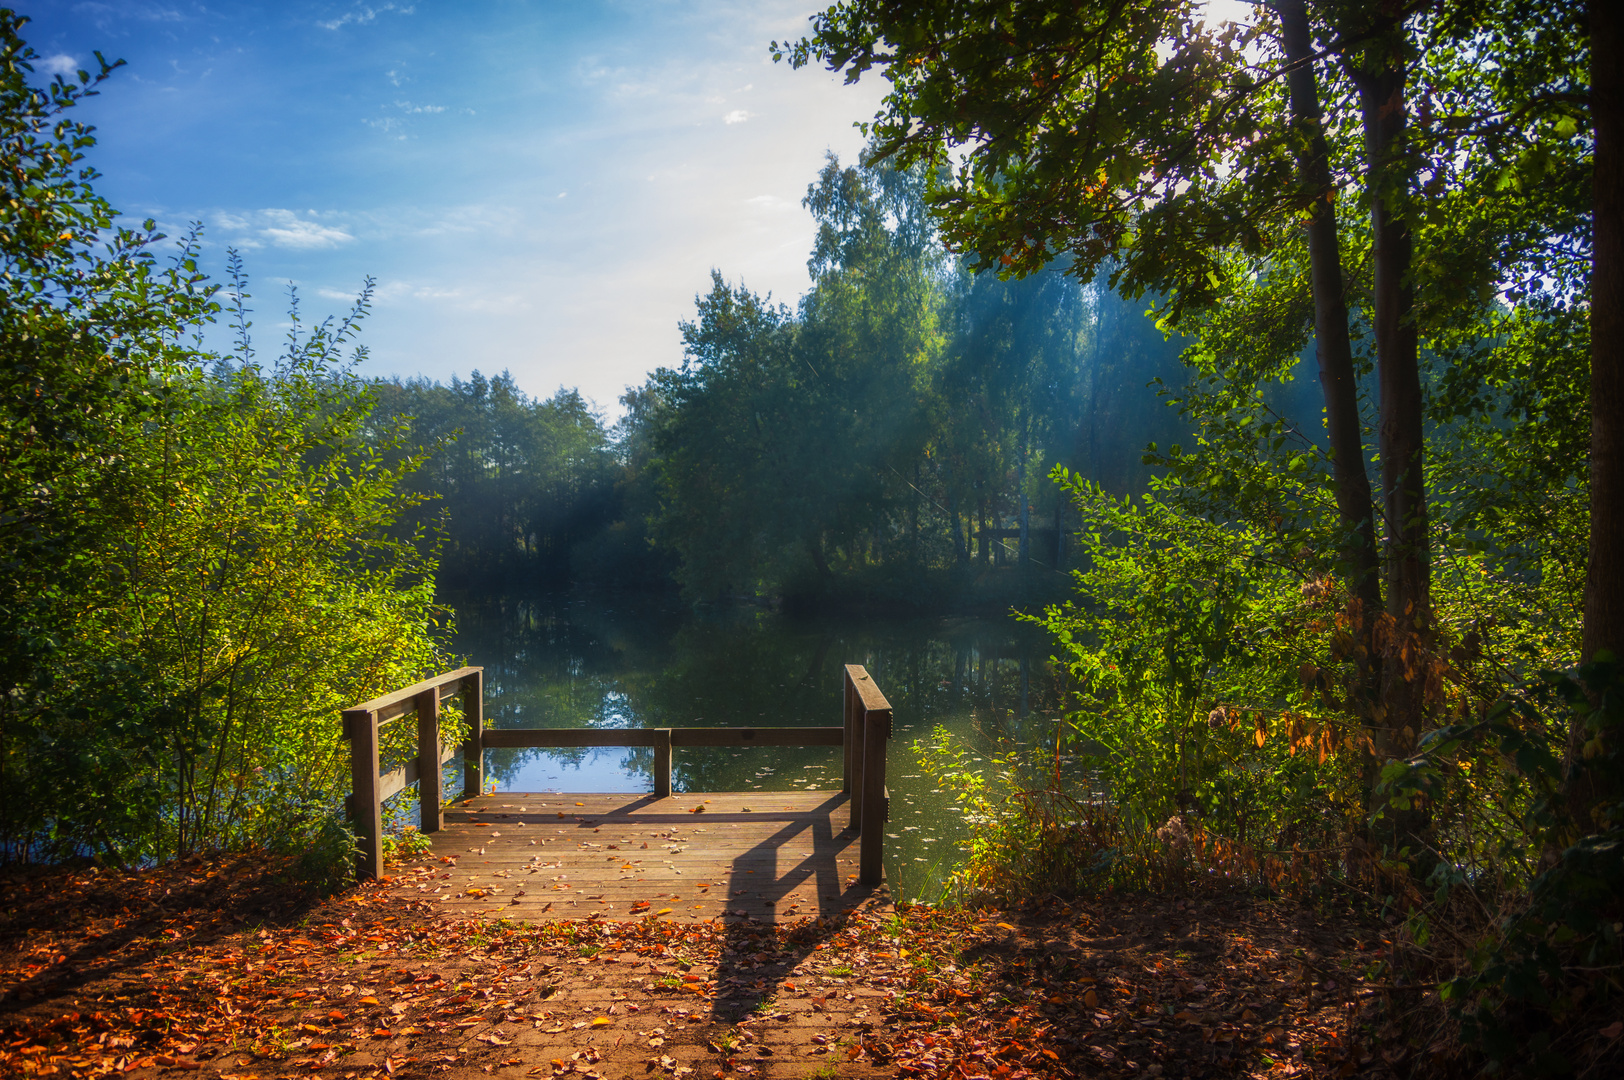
<point>771,856</point>
<point>762,855</point>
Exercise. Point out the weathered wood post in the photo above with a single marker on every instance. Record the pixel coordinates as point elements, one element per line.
<point>431,813</point>
<point>662,763</point>
<point>868,728</point>
<point>854,743</point>
<point>361,728</point>
<point>473,751</point>
<point>876,800</point>
<point>848,717</point>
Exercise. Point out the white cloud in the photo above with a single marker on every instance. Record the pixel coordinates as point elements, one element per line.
<point>281,228</point>
<point>60,64</point>
<point>737,116</point>
<point>391,293</point>
<point>363,15</point>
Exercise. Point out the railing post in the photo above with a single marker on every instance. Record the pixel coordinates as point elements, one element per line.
<point>473,751</point>
<point>854,745</point>
<point>361,728</point>
<point>848,717</point>
<point>662,763</point>
<point>431,813</point>
<point>874,797</point>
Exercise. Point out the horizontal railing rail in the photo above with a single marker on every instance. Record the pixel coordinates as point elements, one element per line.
<point>682,736</point>
<point>863,734</point>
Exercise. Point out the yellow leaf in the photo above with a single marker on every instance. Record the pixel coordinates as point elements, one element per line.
<point>663,911</point>
<point>367,1001</point>
<point>601,1021</point>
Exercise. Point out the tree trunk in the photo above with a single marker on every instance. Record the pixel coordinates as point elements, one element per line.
<point>1338,383</point>
<point>1604,581</point>
<point>1355,504</point>
<point>814,547</point>
<point>961,550</point>
<point>1406,635</point>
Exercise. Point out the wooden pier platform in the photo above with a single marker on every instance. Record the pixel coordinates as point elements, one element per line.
<point>772,856</point>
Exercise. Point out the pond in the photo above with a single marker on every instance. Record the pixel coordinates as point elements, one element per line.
<point>626,660</point>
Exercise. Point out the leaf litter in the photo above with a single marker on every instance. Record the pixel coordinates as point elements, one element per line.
<point>222,968</point>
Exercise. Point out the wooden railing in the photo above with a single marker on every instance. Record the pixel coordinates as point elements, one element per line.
<point>368,790</point>
<point>863,735</point>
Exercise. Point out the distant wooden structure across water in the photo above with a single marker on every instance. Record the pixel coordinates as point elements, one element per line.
<point>761,855</point>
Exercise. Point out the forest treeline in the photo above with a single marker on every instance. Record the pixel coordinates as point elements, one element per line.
<point>208,552</point>
<point>894,431</point>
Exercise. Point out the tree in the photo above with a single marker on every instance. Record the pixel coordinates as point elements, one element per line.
<point>1131,132</point>
<point>192,576</point>
<point>1604,582</point>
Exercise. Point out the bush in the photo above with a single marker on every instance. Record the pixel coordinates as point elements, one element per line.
<point>195,572</point>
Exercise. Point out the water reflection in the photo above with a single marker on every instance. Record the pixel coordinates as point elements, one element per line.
<point>619,661</point>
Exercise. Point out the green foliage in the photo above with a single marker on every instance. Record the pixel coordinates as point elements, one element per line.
<point>901,406</point>
<point>194,572</point>
<point>409,844</point>
<point>1527,983</point>
<point>1193,655</point>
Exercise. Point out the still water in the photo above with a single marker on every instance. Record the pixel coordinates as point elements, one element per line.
<point>623,660</point>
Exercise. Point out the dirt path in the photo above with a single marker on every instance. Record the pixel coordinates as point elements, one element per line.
<point>224,970</point>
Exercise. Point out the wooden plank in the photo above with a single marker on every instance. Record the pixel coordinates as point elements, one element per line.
<point>361,728</point>
<point>786,858</point>
<point>576,737</point>
<point>848,723</point>
<point>495,738</point>
<point>429,751</point>
<point>874,796</point>
<point>779,736</point>
<point>854,750</point>
<point>399,702</point>
<point>473,757</point>
<point>867,692</point>
<point>662,763</point>
<point>392,784</point>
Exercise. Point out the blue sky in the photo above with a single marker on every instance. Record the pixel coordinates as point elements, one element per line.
<point>538,186</point>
